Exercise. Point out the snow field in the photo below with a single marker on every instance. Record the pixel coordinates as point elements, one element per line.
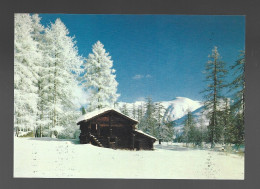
<point>53,158</point>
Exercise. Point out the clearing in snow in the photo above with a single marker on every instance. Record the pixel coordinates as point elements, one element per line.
<point>55,158</point>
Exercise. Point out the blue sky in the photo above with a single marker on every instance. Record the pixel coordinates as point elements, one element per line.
<point>161,56</point>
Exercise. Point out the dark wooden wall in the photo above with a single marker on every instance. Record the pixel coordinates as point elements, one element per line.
<point>113,130</point>
<point>143,142</point>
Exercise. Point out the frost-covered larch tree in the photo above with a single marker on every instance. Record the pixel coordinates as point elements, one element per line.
<point>38,37</point>
<point>26,58</point>
<point>46,68</point>
<point>63,61</point>
<point>100,78</point>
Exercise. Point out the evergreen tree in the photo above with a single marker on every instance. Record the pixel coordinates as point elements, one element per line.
<point>124,110</point>
<point>189,130</point>
<point>134,111</point>
<point>140,117</point>
<point>159,109</point>
<point>166,130</point>
<point>215,74</point>
<point>46,65</point>
<point>237,86</point>
<point>179,137</point>
<point>83,111</point>
<point>150,122</point>
<point>225,117</point>
<point>38,36</point>
<point>26,56</point>
<point>100,78</point>
<point>140,112</point>
<point>201,131</point>
<point>199,136</point>
<point>238,130</point>
<point>63,65</point>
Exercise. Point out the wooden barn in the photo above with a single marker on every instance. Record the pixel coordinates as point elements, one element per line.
<point>111,129</point>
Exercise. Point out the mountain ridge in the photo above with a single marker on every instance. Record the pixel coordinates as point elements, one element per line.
<point>174,110</point>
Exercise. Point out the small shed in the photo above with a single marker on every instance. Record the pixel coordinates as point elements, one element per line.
<point>110,128</point>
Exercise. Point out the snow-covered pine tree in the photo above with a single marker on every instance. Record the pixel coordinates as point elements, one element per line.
<point>166,129</point>
<point>134,111</point>
<point>100,78</point>
<point>140,112</point>
<point>38,37</point>
<point>124,109</point>
<point>63,61</point>
<point>237,87</point>
<point>170,130</point>
<point>189,128</point>
<point>215,73</point>
<point>26,56</point>
<point>159,108</point>
<point>149,122</point>
<point>140,116</point>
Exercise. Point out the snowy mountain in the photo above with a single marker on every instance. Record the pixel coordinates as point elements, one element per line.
<point>174,110</point>
<point>179,107</point>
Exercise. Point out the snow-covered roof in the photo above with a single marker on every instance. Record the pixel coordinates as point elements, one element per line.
<point>95,113</point>
<point>141,132</point>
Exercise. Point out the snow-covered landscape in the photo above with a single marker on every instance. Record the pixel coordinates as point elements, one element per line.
<point>54,158</point>
<point>162,108</point>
